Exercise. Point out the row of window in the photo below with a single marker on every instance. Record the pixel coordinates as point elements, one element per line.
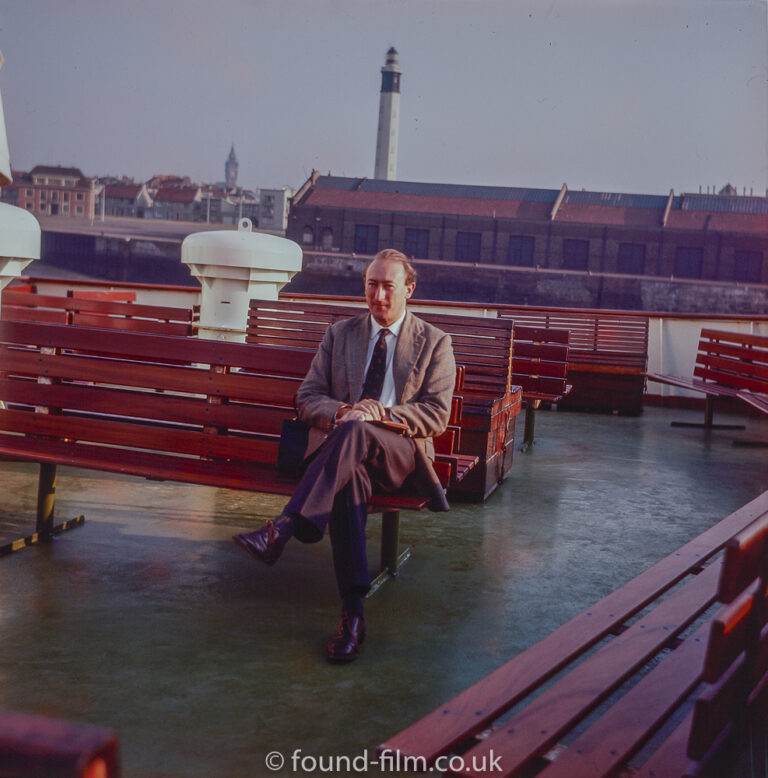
<point>54,196</point>
<point>53,209</point>
<point>688,261</point>
<point>43,181</point>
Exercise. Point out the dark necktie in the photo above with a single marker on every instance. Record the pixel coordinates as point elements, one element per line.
<point>374,378</point>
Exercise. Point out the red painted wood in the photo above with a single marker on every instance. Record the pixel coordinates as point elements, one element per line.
<point>626,726</point>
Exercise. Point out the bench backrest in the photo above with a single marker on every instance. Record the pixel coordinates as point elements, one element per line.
<point>603,338</point>
<point>735,661</point>
<point>89,311</point>
<point>735,359</point>
<point>540,362</point>
<point>482,346</point>
<point>163,393</point>
<point>174,396</point>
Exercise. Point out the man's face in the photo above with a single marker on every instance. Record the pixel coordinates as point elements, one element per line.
<point>386,290</point>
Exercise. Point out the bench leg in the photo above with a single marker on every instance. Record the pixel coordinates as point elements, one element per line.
<point>530,423</point>
<point>390,559</point>
<point>709,413</point>
<point>46,500</point>
<point>45,528</point>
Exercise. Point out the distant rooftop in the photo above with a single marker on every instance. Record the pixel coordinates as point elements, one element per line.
<point>688,202</point>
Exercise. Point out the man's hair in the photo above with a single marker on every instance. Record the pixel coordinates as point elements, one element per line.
<point>393,255</point>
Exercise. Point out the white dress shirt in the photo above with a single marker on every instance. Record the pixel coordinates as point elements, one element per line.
<point>388,395</point>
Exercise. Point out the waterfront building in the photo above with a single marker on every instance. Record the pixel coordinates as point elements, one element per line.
<point>692,252</point>
<point>54,191</point>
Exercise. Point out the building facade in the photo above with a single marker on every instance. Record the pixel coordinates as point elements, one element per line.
<point>54,191</point>
<point>543,235</point>
<point>128,200</point>
<point>273,208</point>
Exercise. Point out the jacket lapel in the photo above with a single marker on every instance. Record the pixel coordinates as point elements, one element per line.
<point>409,345</point>
<point>356,351</point>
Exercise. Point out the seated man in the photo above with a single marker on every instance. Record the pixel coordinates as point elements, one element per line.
<point>386,367</point>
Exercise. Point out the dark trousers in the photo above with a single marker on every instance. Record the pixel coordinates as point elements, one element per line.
<point>336,487</point>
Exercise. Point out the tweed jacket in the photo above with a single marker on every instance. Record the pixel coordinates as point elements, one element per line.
<point>424,371</point>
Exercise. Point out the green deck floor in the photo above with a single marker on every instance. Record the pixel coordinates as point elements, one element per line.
<point>149,620</point>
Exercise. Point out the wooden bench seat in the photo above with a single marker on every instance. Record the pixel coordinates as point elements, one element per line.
<point>489,402</point>
<point>106,310</point>
<point>160,407</point>
<point>588,696</point>
<point>731,365</point>
<point>607,355</point>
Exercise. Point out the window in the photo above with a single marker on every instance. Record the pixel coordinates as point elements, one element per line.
<point>79,196</point>
<point>748,267</point>
<point>308,236</point>
<point>467,246</point>
<point>42,196</point>
<point>366,239</point>
<point>416,243</point>
<point>575,254</point>
<point>55,196</point>
<point>326,240</point>
<point>688,260</point>
<point>28,192</point>
<point>520,250</point>
<point>65,196</point>
<point>79,209</point>
<point>631,258</point>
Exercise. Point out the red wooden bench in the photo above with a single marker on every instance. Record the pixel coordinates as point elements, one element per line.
<point>607,355</point>
<point>489,403</point>
<point>540,366</point>
<point>86,310</point>
<point>732,365</point>
<point>41,747</point>
<point>162,407</point>
<point>625,670</point>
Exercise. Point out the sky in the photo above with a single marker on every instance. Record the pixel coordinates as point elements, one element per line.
<point>637,96</point>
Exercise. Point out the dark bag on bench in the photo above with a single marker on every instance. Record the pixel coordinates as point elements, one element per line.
<point>294,438</point>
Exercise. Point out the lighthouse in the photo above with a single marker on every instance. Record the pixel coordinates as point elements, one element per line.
<point>389,114</point>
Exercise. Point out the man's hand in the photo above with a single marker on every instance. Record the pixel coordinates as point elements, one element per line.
<point>375,410</point>
<point>365,410</point>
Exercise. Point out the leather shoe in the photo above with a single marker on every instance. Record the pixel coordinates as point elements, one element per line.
<point>344,646</point>
<point>265,544</point>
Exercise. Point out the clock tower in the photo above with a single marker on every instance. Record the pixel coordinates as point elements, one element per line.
<point>389,115</point>
<point>230,169</point>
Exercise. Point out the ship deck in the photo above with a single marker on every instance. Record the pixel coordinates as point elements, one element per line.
<point>150,621</point>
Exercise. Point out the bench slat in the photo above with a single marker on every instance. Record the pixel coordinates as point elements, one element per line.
<point>172,378</point>
<point>147,405</point>
<point>152,437</point>
<point>629,724</point>
<point>142,346</point>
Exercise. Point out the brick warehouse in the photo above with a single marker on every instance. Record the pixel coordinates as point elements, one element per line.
<point>689,252</point>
